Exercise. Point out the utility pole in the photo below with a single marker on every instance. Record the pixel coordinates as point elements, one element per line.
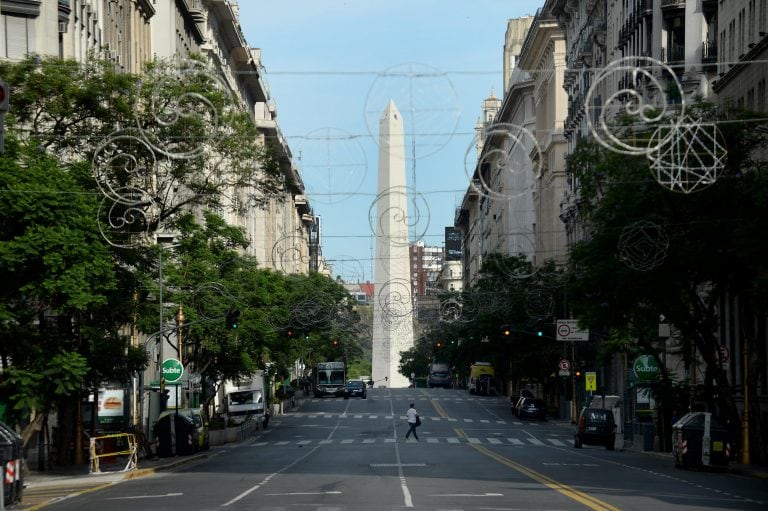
<point>180,318</point>
<point>745,414</point>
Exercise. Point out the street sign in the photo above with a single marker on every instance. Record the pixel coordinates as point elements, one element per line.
<point>564,364</point>
<point>723,353</point>
<point>172,370</point>
<point>590,381</point>
<point>646,368</point>
<point>568,330</point>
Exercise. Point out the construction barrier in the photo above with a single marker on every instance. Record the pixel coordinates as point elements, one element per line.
<point>98,450</point>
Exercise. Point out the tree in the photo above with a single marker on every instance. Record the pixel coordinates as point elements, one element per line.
<point>60,310</point>
<point>700,248</point>
<point>159,143</point>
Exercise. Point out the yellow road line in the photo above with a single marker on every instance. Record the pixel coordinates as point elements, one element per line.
<point>439,409</point>
<point>74,493</point>
<point>572,493</point>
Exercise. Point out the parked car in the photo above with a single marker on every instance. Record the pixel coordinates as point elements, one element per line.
<point>202,440</point>
<point>596,426</point>
<point>355,388</point>
<point>531,408</point>
<point>514,400</point>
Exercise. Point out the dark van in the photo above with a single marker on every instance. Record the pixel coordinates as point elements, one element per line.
<point>596,426</point>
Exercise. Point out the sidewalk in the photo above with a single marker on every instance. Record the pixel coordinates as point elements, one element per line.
<point>78,474</point>
<point>636,445</point>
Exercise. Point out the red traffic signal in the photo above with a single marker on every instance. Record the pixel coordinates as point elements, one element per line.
<point>289,331</point>
<point>5,94</point>
<point>335,343</point>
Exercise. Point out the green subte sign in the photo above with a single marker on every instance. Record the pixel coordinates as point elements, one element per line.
<point>646,368</point>
<point>172,370</point>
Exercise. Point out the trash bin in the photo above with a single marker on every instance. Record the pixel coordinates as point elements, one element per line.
<point>700,440</point>
<point>649,435</point>
<point>10,462</point>
<point>182,436</point>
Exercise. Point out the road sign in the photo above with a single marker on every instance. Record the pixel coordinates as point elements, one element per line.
<point>590,381</point>
<point>723,353</point>
<point>646,368</point>
<point>568,330</point>
<point>172,370</point>
<point>564,364</point>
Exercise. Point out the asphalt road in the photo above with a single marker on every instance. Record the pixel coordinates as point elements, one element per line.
<point>472,454</point>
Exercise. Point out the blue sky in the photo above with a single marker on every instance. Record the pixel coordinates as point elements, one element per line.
<point>333,65</point>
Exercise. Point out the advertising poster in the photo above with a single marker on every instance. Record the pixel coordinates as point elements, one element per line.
<point>111,405</point>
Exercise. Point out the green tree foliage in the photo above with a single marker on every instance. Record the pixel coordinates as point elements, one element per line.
<point>712,248</point>
<point>147,137</point>
<point>58,321</point>
<point>207,275</point>
<point>511,292</point>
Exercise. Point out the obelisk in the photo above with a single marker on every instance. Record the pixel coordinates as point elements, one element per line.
<point>392,307</point>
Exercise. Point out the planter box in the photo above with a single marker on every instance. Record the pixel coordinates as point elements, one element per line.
<point>217,436</point>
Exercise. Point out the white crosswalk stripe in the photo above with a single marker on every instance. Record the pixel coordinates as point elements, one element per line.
<point>391,417</point>
<point>529,441</point>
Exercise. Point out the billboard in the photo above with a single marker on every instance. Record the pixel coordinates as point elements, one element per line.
<point>452,244</point>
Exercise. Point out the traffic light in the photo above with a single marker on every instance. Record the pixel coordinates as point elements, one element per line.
<point>506,331</point>
<point>306,336</point>
<point>335,343</point>
<point>439,344</point>
<point>5,94</point>
<point>232,318</point>
<point>164,395</point>
<point>289,332</point>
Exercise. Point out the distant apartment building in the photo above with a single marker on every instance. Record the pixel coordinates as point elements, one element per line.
<point>426,263</point>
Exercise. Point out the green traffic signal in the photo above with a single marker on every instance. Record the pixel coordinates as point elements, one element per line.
<point>232,318</point>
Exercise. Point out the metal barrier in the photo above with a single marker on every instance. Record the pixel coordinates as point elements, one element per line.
<point>97,451</point>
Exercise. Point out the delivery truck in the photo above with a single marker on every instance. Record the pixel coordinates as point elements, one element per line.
<point>244,398</point>
<point>481,379</point>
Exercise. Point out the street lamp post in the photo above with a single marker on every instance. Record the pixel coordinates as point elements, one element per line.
<point>180,318</point>
<point>745,460</point>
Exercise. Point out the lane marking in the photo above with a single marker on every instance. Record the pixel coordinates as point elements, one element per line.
<point>305,493</point>
<point>467,495</point>
<point>147,496</point>
<point>572,493</point>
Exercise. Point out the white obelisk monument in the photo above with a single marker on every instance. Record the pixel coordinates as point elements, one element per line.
<point>392,307</point>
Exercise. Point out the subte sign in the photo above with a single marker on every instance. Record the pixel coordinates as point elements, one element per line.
<point>172,370</point>
<point>568,330</point>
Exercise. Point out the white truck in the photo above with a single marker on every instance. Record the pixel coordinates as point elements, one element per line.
<point>244,399</point>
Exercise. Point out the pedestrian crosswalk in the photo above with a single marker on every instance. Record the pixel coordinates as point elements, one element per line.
<point>456,440</point>
<point>326,416</point>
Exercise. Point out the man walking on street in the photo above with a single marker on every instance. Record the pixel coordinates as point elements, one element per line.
<point>413,419</point>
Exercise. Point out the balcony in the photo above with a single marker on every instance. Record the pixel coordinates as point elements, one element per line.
<point>709,52</point>
<point>669,5</point>
<point>675,53</point>
<point>646,8</point>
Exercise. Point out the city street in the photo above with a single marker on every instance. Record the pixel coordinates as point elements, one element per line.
<point>472,453</point>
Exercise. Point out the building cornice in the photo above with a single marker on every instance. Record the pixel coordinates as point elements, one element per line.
<point>29,8</point>
<point>745,61</point>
